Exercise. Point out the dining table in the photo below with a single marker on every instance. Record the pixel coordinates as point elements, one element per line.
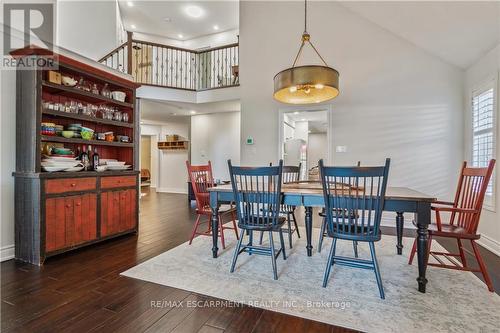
<point>309,194</point>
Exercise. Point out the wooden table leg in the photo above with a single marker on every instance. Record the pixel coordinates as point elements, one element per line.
<point>215,228</point>
<point>400,221</point>
<point>309,222</point>
<point>423,221</point>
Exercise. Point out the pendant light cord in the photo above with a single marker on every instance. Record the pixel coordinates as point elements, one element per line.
<point>304,40</point>
<point>305,16</point>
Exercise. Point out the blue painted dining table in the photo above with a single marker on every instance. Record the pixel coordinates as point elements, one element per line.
<point>310,194</point>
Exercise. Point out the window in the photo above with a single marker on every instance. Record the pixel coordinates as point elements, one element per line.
<point>483,132</point>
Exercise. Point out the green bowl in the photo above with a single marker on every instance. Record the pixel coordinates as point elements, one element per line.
<point>87,135</point>
<point>61,151</point>
<point>68,134</point>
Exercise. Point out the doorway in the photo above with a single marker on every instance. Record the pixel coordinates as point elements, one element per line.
<point>146,162</point>
<point>305,139</point>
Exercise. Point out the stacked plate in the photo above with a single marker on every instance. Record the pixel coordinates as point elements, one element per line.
<point>77,128</point>
<point>60,163</point>
<point>112,164</point>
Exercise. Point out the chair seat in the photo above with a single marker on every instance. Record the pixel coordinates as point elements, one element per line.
<point>367,234</point>
<point>260,223</point>
<point>454,231</point>
<point>223,209</point>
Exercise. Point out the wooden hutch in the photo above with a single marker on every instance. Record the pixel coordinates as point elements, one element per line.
<point>59,211</point>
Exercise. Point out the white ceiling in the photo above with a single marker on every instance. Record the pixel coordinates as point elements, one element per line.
<point>161,111</point>
<point>150,17</point>
<point>457,32</point>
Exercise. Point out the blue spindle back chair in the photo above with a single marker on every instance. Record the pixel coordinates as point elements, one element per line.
<point>290,174</point>
<point>354,189</point>
<point>322,232</point>
<point>257,193</point>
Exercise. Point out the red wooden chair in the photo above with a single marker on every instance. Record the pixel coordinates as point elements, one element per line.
<point>465,212</point>
<point>201,180</point>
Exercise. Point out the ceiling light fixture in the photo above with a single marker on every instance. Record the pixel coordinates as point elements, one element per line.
<point>306,84</point>
<point>194,11</point>
<point>133,26</point>
<point>192,112</point>
<point>216,27</point>
<point>130,4</point>
<point>180,36</point>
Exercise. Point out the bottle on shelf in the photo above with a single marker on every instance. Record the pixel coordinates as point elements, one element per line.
<point>95,159</point>
<point>89,153</point>
<point>84,157</point>
<point>78,154</point>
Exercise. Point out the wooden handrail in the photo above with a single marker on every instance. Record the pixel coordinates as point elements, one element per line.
<point>116,49</point>
<point>162,45</point>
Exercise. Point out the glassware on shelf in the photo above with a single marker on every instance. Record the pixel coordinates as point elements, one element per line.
<point>94,89</point>
<point>87,110</point>
<point>106,92</point>
<point>117,115</point>
<point>92,110</point>
<point>125,117</point>
<point>73,107</point>
<point>67,107</point>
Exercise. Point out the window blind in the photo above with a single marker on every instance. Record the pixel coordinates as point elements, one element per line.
<point>483,139</point>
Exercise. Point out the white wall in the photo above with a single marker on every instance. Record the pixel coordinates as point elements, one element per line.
<point>171,173</point>
<point>317,147</point>
<point>396,100</point>
<point>89,28</point>
<point>486,68</point>
<point>216,137</point>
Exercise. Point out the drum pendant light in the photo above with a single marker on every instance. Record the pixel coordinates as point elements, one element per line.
<point>306,84</point>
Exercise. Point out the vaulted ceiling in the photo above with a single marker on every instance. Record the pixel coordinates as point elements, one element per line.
<point>459,32</point>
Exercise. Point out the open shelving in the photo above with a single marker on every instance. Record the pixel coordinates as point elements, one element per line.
<point>62,211</point>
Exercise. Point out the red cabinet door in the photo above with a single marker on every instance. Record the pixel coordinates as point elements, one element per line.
<point>70,221</point>
<point>118,211</point>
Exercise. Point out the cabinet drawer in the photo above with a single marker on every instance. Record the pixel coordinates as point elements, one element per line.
<point>119,181</point>
<point>69,185</point>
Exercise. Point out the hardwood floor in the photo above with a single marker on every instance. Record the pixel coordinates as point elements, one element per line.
<point>82,291</point>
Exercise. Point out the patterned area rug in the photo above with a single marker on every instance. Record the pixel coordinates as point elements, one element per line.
<point>455,301</point>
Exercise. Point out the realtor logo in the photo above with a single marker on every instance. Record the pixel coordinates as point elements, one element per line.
<point>28,25</point>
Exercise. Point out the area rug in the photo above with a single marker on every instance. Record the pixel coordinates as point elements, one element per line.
<point>455,301</point>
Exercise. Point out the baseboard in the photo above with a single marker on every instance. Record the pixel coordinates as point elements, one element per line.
<point>7,252</point>
<point>171,190</point>
<point>489,244</point>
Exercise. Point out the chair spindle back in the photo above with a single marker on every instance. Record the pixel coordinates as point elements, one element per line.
<point>201,180</point>
<point>257,193</point>
<point>360,190</point>
<point>471,189</point>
